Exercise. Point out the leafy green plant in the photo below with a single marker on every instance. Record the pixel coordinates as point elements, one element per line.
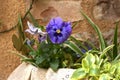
<point>46,52</point>
<point>112,54</point>
<point>96,68</point>
<point>101,64</point>
<point>18,40</point>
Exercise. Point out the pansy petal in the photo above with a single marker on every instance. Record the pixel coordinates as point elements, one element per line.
<point>66,31</point>
<point>42,38</point>
<point>31,26</point>
<point>29,31</point>
<point>68,27</point>
<point>60,40</point>
<point>39,31</point>
<point>48,27</point>
<point>56,21</point>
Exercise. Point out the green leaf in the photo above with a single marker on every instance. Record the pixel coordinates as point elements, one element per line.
<point>18,54</point>
<point>79,74</point>
<point>97,60</point>
<point>74,24</point>
<point>87,62</point>
<point>54,64</point>
<point>90,58</point>
<point>74,47</point>
<point>101,39</point>
<point>115,48</point>
<point>94,70</point>
<point>40,59</point>
<point>16,42</point>
<point>100,63</point>
<point>85,65</point>
<point>118,57</point>
<point>105,77</point>
<point>91,44</point>
<point>118,70</point>
<point>79,43</point>
<point>107,66</point>
<point>35,22</point>
<point>33,54</point>
<point>106,50</point>
<point>113,69</point>
<point>24,58</point>
<point>94,78</point>
<point>20,29</point>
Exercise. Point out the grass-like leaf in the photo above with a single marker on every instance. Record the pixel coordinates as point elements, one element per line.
<point>36,24</point>
<point>96,28</point>
<point>106,50</point>
<point>74,47</point>
<point>20,29</point>
<point>74,24</point>
<point>79,43</point>
<point>115,48</point>
<point>91,44</point>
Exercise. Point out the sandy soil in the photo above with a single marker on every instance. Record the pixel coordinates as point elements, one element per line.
<point>9,11</point>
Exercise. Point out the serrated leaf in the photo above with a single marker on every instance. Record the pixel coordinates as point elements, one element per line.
<point>78,74</point>
<point>16,42</point>
<point>33,54</point>
<point>54,64</point>
<point>40,59</point>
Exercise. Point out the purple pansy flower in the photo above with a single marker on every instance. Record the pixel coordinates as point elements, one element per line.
<point>58,30</point>
<point>34,30</point>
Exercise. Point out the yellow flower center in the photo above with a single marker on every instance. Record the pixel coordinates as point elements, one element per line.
<point>58,31</point>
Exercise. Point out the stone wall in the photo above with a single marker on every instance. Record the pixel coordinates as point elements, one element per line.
<point>9,10</point>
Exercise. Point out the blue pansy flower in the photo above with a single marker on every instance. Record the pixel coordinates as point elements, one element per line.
<point>58,30</point>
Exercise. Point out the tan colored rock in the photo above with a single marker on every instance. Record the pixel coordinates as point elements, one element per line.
<point>27,72</point>
<point>22,72</point>
<point>107,9</point>
<point>9,11</point>
<point>61,74</point>
<point>67,9</point>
